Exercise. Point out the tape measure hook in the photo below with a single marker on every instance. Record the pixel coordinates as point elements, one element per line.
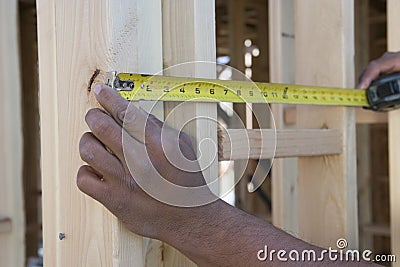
<point>110,77</point>
<point>116,83</point>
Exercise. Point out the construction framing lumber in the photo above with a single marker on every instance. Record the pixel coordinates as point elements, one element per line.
<point>188,36</point>
<point>363,116</point>
<point>393,9</point>
<point>284,171</point>
<point>76,38</point>
<point>327,186</point>
<point>289,143</point>
<point>12,230</point>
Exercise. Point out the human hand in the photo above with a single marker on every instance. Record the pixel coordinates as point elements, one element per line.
<point>144,151</point>
<point>387,64</point>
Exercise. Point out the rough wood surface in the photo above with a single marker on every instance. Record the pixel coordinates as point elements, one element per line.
<point>362,116</point>
<point>327,185</point>
<point>189,35</point>
<point>260,143</point>
<point>12,247</point>
<point>284,171</point>
<point>75,38</point>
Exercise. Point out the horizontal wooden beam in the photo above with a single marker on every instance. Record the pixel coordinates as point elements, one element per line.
<point>378,230</point>
<point>237,144</point>
<point>363,116</point>
<point>5,225</point>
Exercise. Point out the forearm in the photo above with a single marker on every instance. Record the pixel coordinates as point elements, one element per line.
<point>221,235</point>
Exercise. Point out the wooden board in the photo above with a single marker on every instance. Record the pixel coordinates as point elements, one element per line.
<point>327,185</point>
<point>363,116</point>
<point>268,144</point>
<point>75,38</point>
<point>284,171</point>
<point>12,252</point>
<point>189,35</point>
<point>393,9</point>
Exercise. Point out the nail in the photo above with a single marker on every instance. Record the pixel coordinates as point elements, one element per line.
<point>97,89</point>
<point>61,236</point>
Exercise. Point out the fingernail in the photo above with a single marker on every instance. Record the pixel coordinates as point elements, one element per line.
<point>97,89</point>
<point>121,115</point>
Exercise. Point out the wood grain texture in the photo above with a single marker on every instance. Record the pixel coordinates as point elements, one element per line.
<point>325,57</point>
<point>393,9</point>
<point>289,143</point>
<point>284,171</point>
<point>12,251</point>
<point>189,35</point>
<point>363,116</point>
<point>75,38</point>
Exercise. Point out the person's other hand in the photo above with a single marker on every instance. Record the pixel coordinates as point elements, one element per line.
<point>386,64</point>
<point>111,177</point>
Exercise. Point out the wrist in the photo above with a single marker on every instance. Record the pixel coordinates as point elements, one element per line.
<point>199,229</point>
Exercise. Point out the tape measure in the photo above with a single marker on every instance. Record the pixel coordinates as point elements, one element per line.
<point>383,94</point>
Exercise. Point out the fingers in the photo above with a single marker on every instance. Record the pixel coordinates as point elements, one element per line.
<point>95,154</point>
<point>107,130</point>
<point>90,183</point>
<point>111,101</point>
<point>133,119</point>
<point>388,63</point>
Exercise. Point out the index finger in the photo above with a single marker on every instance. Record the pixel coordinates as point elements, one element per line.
<point>114,104</point>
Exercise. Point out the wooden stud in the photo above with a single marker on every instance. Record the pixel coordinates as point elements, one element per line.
<point>289,143</point>
<point>363,116</point>
<point>393,9</point>
<point>325,56</point>
<point>284,171</point>
<point>76,38</point>
<point>12,252</point>
<point>189,35</point>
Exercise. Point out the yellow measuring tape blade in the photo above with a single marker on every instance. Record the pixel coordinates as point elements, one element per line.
<point>165,88</point>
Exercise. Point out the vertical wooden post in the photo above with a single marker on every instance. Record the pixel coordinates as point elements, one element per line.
<point>76,38</point>
<point>189,35</point>
<point>284,171</point>
<point>393,9</point>
<point>12,232</point>
<point>327,185</point>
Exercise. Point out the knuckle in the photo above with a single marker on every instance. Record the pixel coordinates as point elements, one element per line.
<point>131,117</point>
<point>99,125</point>
<point>131,184</point>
